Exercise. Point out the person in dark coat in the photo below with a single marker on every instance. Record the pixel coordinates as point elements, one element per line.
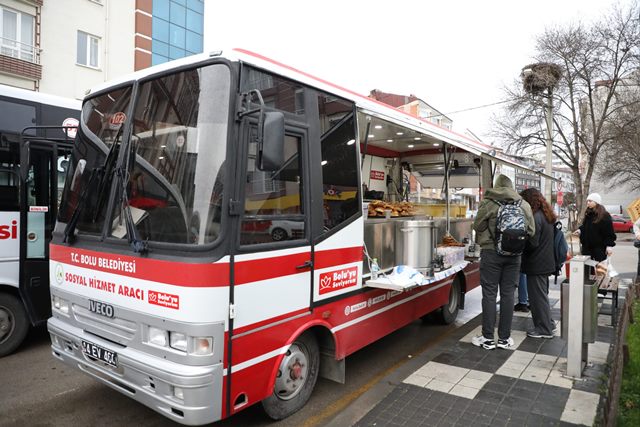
<point>538,263</point>
<point>596,232</point>
<point>497,272</point>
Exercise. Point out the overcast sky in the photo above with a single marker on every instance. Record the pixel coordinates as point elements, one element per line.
<point>455,55</point>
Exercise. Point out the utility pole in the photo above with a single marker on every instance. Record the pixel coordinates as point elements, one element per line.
<point>549,158</point>
<point>536,79</point>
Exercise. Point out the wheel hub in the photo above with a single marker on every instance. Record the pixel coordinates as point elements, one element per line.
<point>292,373</point>
<point>6,324</point>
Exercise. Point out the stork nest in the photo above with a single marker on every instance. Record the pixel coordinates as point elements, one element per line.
<point>538,77</point>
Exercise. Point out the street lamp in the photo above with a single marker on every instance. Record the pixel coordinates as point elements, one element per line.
<point>537,78</point>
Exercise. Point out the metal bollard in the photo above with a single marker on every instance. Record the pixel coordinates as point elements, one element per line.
<point>577,345</point>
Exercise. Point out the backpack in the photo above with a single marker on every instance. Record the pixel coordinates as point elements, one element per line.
<point>560,249</point>
<point>511,232</point>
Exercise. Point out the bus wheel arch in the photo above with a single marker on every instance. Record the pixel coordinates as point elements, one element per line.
<point>295,378</point>
<point>14,322</point>
<point>448,312</point>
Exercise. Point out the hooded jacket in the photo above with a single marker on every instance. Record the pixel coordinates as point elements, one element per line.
<point>485,222</point>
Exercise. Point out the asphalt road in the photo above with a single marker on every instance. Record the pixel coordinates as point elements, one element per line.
<point>37,390</point>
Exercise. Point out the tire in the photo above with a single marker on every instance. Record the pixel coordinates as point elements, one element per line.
<point>290,394</point>
<point>14,323</point>
<point>447,313</point>
<point>279,234</point>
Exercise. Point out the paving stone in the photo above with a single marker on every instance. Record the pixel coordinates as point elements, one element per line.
<point>581,407</point>
<point>491,397</point>
<point>499,384</point>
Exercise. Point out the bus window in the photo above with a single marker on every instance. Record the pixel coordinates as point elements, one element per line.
<point>273,201</point>
<point>9,180</point>
<point>339,162</point>
<point>16,116</point>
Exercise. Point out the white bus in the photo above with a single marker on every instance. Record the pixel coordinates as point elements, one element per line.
<point>212,251</point>
<point>32,162</point>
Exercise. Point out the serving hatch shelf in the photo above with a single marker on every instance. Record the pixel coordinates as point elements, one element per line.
<point>397,283</point>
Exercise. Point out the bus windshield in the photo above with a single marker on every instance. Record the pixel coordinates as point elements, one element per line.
<point>178,140</point>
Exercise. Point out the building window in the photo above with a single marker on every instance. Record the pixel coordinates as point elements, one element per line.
<point>88,48</point>
<point>179,26</point>
<point>17,34</point>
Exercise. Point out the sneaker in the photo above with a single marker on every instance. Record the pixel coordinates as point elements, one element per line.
<point>536,334</point>
<point>481,341</point>
<point>508,343</point>
<point>521,307</point>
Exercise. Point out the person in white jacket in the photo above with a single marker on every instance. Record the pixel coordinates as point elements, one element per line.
<point>636,230</point>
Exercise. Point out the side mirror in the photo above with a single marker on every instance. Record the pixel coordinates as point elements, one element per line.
<point>25,159</point>
<point>271,139</point>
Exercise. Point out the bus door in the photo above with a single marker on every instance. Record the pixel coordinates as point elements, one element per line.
<point>38,208</point>
<point>273,264</point>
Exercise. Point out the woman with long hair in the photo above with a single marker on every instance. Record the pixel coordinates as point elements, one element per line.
<point>538,263</point>
<point>596,232</point>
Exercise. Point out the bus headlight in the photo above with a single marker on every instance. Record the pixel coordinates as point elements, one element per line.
<point>60,304</point>
<point>178,341</point>
<point>158,336</point>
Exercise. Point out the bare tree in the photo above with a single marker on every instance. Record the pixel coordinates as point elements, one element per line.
<point>594,60</point>
<point>620,162</point>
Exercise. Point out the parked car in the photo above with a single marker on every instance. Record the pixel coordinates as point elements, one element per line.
<point>622,224</point>
<point>285,230</point>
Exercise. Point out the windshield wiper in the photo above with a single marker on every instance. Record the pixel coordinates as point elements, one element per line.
<point>104,171</point>
<point>133,236</point>
<point>69,235</point>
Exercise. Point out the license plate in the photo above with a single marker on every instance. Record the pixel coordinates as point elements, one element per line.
<point>99,353</point>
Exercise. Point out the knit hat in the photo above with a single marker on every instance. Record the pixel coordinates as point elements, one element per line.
<point>595,197</point>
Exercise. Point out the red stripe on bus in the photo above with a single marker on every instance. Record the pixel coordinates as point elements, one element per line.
<point>334,257</point>
<point>254,270</point>
<point>201,275</point>
<point>155,270</point>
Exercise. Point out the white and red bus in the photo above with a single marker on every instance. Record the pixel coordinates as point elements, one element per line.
<point>169,281</point>
<point>34,151</point>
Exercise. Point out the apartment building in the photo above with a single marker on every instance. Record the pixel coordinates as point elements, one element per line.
<point>413,105</point>
<point>64,47</point>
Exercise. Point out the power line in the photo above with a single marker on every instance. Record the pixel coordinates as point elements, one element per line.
<point>466,109</point>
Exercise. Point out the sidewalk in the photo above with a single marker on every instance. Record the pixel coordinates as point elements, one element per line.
<point>456,383</point>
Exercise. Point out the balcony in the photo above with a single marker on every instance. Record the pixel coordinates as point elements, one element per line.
<point>20,59</point>
<point>22,51</point>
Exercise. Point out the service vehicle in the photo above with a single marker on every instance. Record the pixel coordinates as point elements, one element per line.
<point>166,283</point>
<point>34,151</point>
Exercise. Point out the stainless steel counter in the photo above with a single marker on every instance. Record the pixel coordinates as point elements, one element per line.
<point>381,241</point>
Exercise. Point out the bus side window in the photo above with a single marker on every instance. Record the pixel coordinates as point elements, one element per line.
<point>9,198</point>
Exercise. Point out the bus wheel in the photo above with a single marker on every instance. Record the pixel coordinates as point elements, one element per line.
<point>14,324</point>
<point>448,312</point>
<point>295,379</point>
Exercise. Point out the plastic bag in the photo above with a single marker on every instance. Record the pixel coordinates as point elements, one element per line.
<point>606,268</point>
<point>405,274</point>
<point>611,272</point>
